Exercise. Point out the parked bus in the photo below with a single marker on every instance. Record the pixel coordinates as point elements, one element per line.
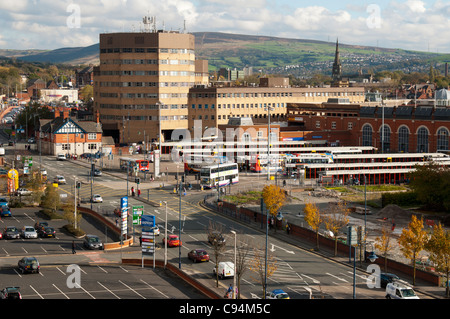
<point>193,162</point>
<point>221,174</point>
<point>258,163</point>
<point>134,164</point>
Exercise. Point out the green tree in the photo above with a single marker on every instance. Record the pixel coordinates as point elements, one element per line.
<point>51,200</point>
<point>431,183</point>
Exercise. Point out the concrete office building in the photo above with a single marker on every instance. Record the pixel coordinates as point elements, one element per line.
<point>142,83</point>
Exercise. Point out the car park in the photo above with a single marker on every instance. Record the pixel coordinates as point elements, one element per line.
<point>11,232</point>
<point>59,179</point>
<point>28,264</point>
<point>277,294</point>
<point>96,198</point>
<point>92,242</point>
<point>28,232</point>
<point>216,238</point>
<point>10,293</point>
<point>198,255</point>
<point>172,241</point>
<point>386,278</point>
<point>5,211</point>
<point>47,231</point>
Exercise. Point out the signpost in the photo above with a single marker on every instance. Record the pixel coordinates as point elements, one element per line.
<point>148,237</point>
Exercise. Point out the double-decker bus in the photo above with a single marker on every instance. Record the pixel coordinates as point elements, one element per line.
<point>219,175</point>
<point>134,164</point>
<point>258,163</point>
<point>193,162</point>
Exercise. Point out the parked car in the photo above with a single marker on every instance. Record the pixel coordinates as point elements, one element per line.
<point>47,232</point>
<point>10,293</point>
<point>277,294</point>
<point>23,192</point>
<point>28,264</point>
<point>61,157</point>
<point>31,140</point>
<point>28,232</point>
<point>96,198</point>
<point>198,255</point>
<point>172,241</point>
<point>386,278</point>
<point>92,242</point>
<point>43,172</point>
<point>5,211</point>
<point>216,238</point>
<point>39,225</point>
<point>59,179</point>
<point>3,201</point>
<point>11,232</point>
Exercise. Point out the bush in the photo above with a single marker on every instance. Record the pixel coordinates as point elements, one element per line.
<point>77,232</point>
<point>400,199</point>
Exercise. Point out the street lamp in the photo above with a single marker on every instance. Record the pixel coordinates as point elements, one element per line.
<point>234,270</point>
<point>165,241</point>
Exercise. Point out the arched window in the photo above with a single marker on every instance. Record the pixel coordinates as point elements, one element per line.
<point>403,139</point>
<point>246,138</point>
<point>422,140</point>
<point>367,135</point>
<point>442,139</point>
<point>385,138</point>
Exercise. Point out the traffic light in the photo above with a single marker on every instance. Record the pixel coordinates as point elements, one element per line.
<point>137,180</point>
<point>78,184</point>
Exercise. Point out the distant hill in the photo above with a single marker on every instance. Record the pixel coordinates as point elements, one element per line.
<point>272,55</point>
<point>74,56</point>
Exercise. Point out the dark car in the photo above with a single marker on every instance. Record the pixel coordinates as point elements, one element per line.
<point>216,238</point>
<point>39,225</point>
<point>10,293</point>
<point>198,255</point>
<point>11,232</point>
<point>92,242</point>
<point>386,278</point>
<point>28,264</point>
<point>47,232</point>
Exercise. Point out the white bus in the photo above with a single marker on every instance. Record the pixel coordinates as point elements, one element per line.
<point>222,174</point>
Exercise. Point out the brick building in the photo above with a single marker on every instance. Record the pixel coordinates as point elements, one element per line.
<point>406,128</point>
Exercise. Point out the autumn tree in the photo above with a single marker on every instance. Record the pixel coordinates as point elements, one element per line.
<point>384,243</point>
<point>412,241</point>
<point>274,198</point>
<point>439,247</point>
<point>314,218</point>
<point>335,219</point>
<point>50,200</point>
<point>259,267</point>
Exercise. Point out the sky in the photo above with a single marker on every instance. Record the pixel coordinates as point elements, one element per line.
<point>422,25</point>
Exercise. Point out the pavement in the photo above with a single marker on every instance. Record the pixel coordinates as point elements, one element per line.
<point>292,214</point>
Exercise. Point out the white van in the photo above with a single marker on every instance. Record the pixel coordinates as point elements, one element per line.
<point>226,269</point>
<point>400,290</point>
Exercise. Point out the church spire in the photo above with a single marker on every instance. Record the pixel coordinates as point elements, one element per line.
<point>337,67</point>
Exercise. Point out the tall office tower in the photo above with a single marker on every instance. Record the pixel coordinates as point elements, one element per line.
<point>142,83</point>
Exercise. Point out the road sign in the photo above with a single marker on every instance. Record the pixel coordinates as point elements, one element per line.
<point>124,215</point>
<point>138,211</point>
<point>148,236</point>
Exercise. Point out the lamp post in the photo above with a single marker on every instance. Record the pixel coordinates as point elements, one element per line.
<point>234,266</point>
<point>165,236</point>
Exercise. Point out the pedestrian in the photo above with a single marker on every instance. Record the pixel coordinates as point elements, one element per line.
<point>73,247</point>
<point>140,240</point>
<point>139,192</point>
<point>132,191</point>
<point>288,228</point>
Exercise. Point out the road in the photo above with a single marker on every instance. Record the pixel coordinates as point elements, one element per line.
<point>299,272</point>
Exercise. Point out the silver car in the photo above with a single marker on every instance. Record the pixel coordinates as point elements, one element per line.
<point>92,242</point>
<point>28,232</point>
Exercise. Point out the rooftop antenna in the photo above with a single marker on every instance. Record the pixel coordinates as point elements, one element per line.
<point>184,26</point>
<point>148,21</point>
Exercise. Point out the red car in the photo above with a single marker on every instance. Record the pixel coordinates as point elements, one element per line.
<point>198,255</point>
<point>172,241</point>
